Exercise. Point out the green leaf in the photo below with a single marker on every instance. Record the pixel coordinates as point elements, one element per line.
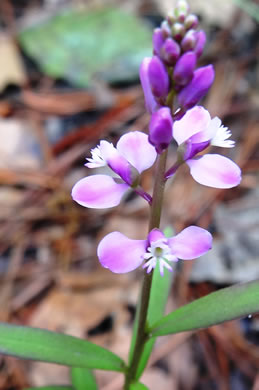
<point>158,298</point>
<point>81,45</point>
<point>138,386</point>
<point>224,305</point>
<point>83,379</point>
<point>46,346</point>
<point>54,387</point>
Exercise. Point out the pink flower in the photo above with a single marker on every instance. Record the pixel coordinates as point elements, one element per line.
<point>120,254</point>
<point>129,159</point>
<point>193,133</point>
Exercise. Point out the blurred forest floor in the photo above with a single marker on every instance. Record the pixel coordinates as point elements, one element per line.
<point>49,272</point>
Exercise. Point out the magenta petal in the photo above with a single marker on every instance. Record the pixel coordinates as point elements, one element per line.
<point>192,242</point>
<point>137,150</point>
<point>98,192</point>
<point>194,121</point>
<point>116,162</point>
<point>155,235</point>
<point>120,254</point>
<point>216,171</point>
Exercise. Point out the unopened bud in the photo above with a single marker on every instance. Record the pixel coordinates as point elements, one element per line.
<point>161,129</point>
<point>158,78</point>
<point>182,8</point>
<point>202,80</point>
<point>191,21</point>
<point>158,40</point>
<point>150,101</point>
<point>184,68</point>
<point>171,19</point>
<point>178,31</point>
<point>189,40</point>
<point>170,51</point>
<point>166,29</point>
<point>200,43</point>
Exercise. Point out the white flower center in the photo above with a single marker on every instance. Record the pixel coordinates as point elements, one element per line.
<point>159,252</point>
<point>221,138</point>
<point>97,160</point>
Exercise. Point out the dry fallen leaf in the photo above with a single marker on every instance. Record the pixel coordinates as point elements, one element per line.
<point>11,67</point>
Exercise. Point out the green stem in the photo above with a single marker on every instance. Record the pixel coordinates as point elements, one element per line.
<point>142,335</point>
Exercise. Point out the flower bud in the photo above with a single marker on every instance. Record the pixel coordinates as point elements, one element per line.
<point>151,104</point>
<point>161,129</point>
<point>184,68</point>
<point>158,78</point>
<point>158,40</point>
<point>178,31</point>
<point>197,88</point>
<point>166,29</point>
<point>170,51</point>
<point>181,10</point>
<point>200,43</point>
<point>191,21</point>
<point>189,40</point>
<point>171,19</point>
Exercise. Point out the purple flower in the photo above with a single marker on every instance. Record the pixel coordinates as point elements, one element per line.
<point>131,157</point>
<point>197,88</point>
<point>120,254</point>
<point>161,129</point>
<point>193,133</point>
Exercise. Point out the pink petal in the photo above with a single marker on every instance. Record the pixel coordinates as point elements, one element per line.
<point>120,254</point>
<point>98,192</point>
<point>137,150</point>
<point>216,171</point>
<point>194,121</point>
<point>192,242</point>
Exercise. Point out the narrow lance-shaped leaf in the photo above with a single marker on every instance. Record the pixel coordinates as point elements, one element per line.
<point>46,346</point>
<point>158,298</point>
<point>220,306</point>
<point>83,379</point>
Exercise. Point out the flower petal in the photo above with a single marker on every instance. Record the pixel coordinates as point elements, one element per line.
<point>116,161</point>
<point>216,171</point>
<point>137,150</point>
<point>192,242</point>
<point>194,121</point>
<point>120,254</point>
<point>98,192</point>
